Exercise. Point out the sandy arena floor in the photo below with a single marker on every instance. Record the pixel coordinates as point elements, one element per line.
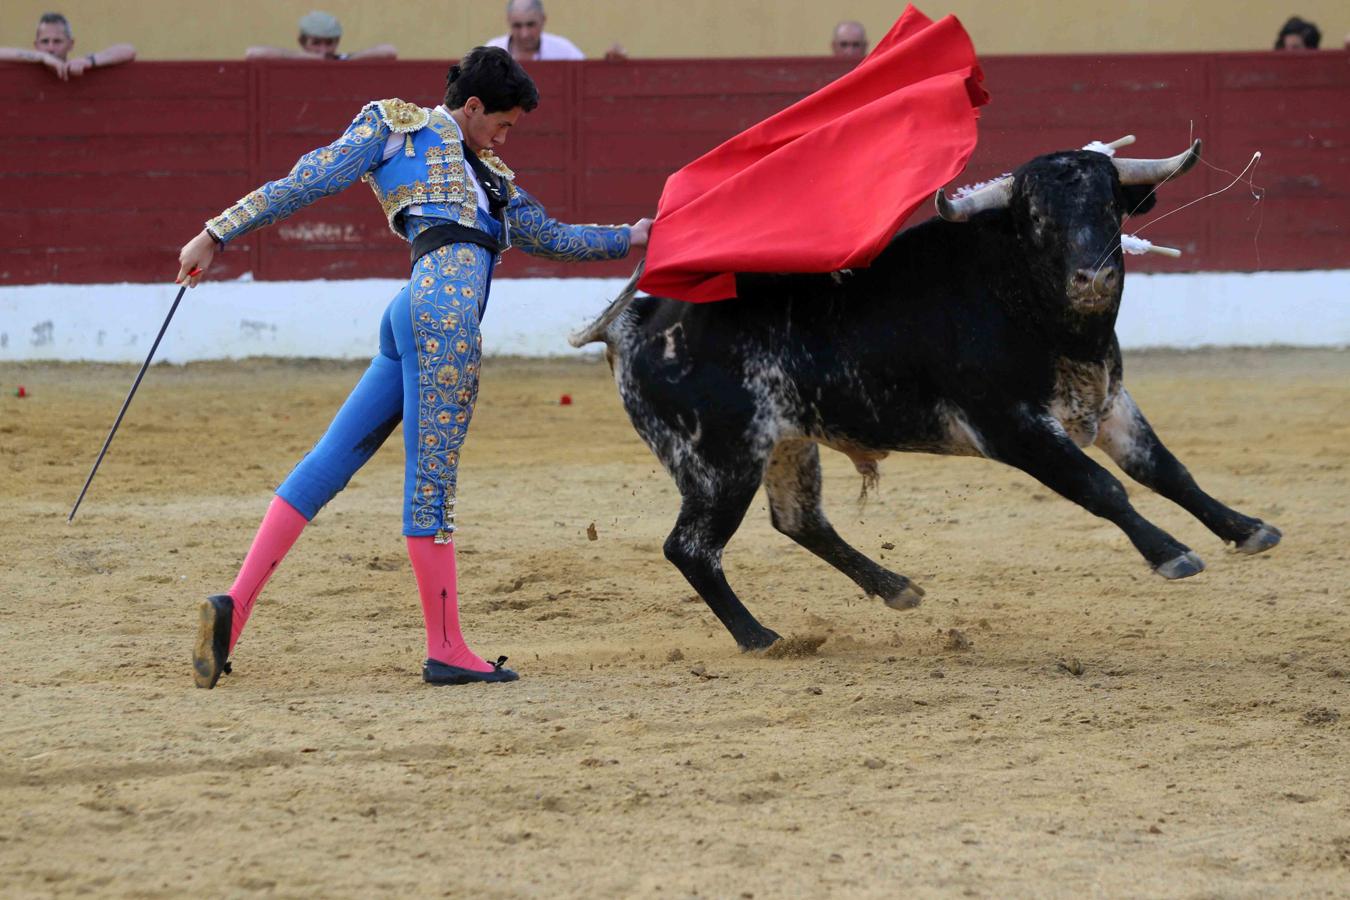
<point>1088,730</point>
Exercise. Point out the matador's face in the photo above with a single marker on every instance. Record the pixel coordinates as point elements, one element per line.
<point>484,130</point>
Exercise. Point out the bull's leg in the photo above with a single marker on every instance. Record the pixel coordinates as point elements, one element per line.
<point>792,482</point>
<point>1126,437</point>
<point>1039,446</point>
<point>709,516</point>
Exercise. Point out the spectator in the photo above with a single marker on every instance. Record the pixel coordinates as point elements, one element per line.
<point>1298,34</point>
<point>53,43</point>
<point>320,33</point>
<point>527,39</point>
<point>849,40</point>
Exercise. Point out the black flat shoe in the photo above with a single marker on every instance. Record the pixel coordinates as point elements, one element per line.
<point>434,672</point>
<point>209,654</point>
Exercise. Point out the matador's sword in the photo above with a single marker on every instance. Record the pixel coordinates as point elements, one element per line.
<point>126,403</point>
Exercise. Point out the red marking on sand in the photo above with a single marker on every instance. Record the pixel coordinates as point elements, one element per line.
<point>565,400</point>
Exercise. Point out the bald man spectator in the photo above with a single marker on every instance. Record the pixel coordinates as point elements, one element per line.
<point>849,40</point>
<point>320,34</point>
<point>527,39</point>
<point>52,45</point>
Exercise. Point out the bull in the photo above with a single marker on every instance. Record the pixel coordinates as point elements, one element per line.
<point>987,331</point>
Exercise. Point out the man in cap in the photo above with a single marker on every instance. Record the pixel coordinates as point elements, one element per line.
<point>320,33</point>
<point>52,45</point>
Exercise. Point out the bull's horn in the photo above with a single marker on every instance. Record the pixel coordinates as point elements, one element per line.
<point>1156,171</point>
<point>599,329</point>
<point>1136,245</point>
<point>994,195</point>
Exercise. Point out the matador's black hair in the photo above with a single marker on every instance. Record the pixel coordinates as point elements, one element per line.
<point>491,75</point>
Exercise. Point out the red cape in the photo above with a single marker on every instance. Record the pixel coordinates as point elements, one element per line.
<point>826,183</point>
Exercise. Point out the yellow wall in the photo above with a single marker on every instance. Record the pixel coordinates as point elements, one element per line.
<point>440,29</point>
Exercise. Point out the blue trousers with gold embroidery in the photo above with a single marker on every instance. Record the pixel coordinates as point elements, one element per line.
<point>425,375</point>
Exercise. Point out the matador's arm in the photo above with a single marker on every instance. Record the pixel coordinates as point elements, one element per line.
<point>538,234</point>
<point>317,174</point>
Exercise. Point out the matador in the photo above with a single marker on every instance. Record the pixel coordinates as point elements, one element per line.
<point>444,190</point>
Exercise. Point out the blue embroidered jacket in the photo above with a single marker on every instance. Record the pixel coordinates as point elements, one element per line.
<point>430,173</point>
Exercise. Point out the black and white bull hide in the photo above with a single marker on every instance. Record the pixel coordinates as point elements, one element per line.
<point>987,332</point>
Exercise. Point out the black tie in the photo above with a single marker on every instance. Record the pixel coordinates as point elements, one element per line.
<point>493,184</point>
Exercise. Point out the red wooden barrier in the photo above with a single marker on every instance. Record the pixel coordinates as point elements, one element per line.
<point>103,178</point>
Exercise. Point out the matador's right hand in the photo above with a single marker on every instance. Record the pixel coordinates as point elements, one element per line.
<point>195,258</point>
<point>639,232</point>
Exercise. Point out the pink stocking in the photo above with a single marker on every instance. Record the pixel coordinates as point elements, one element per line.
<point>278,531</point>
<point>434,566</point>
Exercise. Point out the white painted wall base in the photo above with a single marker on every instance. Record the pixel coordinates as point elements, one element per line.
<point>533,316</point>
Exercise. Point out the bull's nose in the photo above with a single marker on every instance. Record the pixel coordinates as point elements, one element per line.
<point>1100,282</point>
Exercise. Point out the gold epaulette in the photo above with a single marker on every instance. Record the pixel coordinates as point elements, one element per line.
<point>495,164</point>
<point>402,116</point>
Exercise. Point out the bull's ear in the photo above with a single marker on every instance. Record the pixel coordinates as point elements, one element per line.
<point>1139,198</point>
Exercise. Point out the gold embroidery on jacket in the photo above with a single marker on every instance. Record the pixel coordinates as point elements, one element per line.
<point>446,179</point>
<point>497,167</point>
<point>402,116</point>
<point>320,172</point>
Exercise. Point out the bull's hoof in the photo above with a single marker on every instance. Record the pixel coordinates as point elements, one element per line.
<point>1260,541</point>
<point>762,641</point>
<point>908,597</point>
<point>1184,566</point>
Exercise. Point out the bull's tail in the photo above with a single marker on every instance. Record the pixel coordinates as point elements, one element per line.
<point>599,329</point>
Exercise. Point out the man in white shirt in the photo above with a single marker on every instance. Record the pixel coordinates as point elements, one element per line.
<point>527,39</point>
<point>849,40</point>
